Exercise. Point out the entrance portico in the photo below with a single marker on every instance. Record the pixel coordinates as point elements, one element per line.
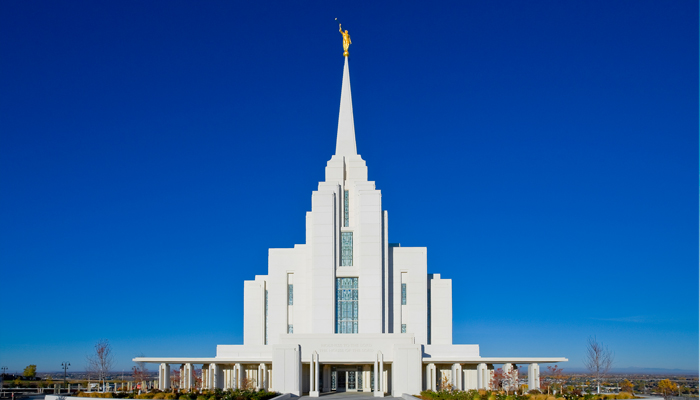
<point>377,364</point>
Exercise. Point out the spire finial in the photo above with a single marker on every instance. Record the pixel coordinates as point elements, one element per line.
<point>346,39</point>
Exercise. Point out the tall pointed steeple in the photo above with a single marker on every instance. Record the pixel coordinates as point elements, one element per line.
<point>345,143</point>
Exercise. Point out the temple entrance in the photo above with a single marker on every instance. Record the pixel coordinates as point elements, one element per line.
<point>346,378</point>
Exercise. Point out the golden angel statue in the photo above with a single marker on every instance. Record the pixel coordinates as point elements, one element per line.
<point>346,40</point>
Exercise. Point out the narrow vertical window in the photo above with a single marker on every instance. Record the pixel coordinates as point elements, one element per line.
<point>290,303</point>
<point>346,249</point>
<point>265,316</point>
<point>403,328</point>
<point>346,315</point>
<point>403,294</point>
<point>346,207</point>
<point>430,324</point>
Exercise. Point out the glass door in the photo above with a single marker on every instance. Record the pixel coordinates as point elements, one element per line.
<point>352,382</point>
<point>340,381</point>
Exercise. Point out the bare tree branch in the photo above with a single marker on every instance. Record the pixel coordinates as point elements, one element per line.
<point>100,363</point>
<point>598,359</point>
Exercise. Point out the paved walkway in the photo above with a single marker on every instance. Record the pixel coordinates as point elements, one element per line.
<point>349,396</point>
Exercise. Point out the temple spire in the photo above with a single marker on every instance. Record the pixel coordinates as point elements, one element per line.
<point>345,143</point>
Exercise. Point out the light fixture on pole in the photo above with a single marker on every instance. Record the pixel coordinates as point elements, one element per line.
<point>2,377</point>
<point>65,366</point>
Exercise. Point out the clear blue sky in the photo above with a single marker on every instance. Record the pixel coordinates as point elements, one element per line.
<point>546,153</point>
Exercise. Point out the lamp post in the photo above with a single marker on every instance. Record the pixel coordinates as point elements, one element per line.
<point>2,377</point>
<point>65,366</point>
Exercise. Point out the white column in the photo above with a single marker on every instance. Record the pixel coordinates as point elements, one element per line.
<point>533,376</point>
<point>166,382</point>
<point>270,379</point>
<point>379,375</point>
<point>188,380</point>
<point>262,376</point>
<point>376,376</point>
<point>312,377</point>
<point>259,383</point>
<point>382,382</point>
<point>239,378</point>
<point>426,385</point>
<point>481,378</point>
<point>311,374</point>
<point>234,375</point>
<point>164,376</point>
<point>205,376</point>
<point>457,376</point>
<point>316,372</point>
<point>366,384</point>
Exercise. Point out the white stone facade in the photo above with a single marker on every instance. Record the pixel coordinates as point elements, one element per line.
<point>347,310</point>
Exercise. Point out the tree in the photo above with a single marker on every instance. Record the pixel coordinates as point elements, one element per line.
<point>510,379</point>
<point>497,379</point>
<point>29,371</point>
<point>598,360</point>
<point>140,373</point>
<point>627,386</point>
<point>175,378</point>
<point>445,384</point>
<point>557,377</point>
<point>197,378</point>
<point>100,363</point>
<point>667,388</point>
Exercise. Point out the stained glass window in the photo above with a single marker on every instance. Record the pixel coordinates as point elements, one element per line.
<point>347,210</point>
<point>290,328</point>
<point>351,380</point>
<point>334,373</point>
<point>290,294</point>
<point>403,294</point>
<point>346,249</point>
<point>346,315</point>
<point>403,328</point>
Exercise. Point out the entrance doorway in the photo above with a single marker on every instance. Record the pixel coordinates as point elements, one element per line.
<point>346,378</point>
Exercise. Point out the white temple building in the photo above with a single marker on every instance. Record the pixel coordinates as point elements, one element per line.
<point>347,310</point>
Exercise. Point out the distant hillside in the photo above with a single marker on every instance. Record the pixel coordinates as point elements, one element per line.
<point>638,370</point>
